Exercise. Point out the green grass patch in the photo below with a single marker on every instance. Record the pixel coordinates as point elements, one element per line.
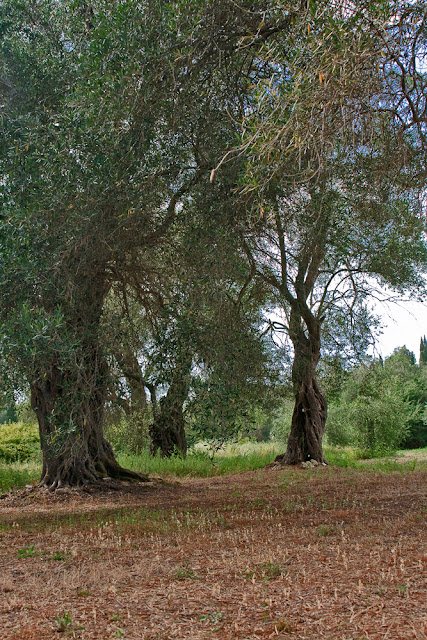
<point>413,452</point>
<point>15,475</point>
<point>234,458</point>
<point>201,464</point>
<point>353,458</point>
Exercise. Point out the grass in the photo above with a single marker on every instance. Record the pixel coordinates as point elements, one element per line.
<point>234,458</point>
<point>199,463</point>
<point>15,475</point>
<point>352,458</point>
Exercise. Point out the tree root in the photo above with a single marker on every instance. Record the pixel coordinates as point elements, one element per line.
<point>285,461</point>
<point>88,475</point>
<point>111,469</point>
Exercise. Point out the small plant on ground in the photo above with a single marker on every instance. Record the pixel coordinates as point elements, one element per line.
<point>213,617</point>
<point>28,552</point>
<point>267,571</point>
<point>324,530</point>
<point>63,620</point>
<point>66,624</point>
<point>271,570</point>
<point>185,572</point>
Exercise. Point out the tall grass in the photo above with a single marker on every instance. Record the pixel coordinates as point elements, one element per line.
<point>15,475</point>
<point>201,462</point>
<point>234,458</point>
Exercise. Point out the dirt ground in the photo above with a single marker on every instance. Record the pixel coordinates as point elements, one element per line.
<point>288,554</point>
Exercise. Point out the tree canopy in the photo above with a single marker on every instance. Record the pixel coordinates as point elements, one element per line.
<point>210,159</point>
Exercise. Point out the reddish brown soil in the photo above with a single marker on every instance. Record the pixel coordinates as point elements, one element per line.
<point>292,554</point>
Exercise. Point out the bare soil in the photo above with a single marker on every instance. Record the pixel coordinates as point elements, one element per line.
<point>288,554</point>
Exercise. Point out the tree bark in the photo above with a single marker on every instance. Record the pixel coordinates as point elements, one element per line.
<point>68,398</point>
<point>310,410</point>
<point>167,432</point>
<point>129,364</point>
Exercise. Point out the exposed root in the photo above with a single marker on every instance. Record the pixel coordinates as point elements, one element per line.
<point>282,461</point>
<point>114,470</point>
<point>83,476</point>
<point>286,461</point>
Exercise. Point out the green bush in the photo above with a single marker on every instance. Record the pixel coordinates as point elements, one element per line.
<point>8,415</point>
<point>282,420</point>
<point>130,433</point>
<point>417,433</point>
<point>380,406</point>
<point>339,432</point>
<point>19,441</point>
<point>380,424</point>
<point>376,425</point>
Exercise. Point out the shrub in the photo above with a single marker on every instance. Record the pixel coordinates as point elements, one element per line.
<point>417,434</point>
<point>380,424</point>
<point>282,421</point>
<point>8,415</point>
<point>339,431</point>
<point>130,433</point>
<point>19,441</point>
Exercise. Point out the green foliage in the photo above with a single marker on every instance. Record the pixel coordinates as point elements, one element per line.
<point>381,406</point>
<point>423,351</point>
<point>8,415</point>
<point>130,433</point>
<point>339,430</point>
<point>28,552</point>
<point>64,621</point>
<point>19,441</point>
<point>380,423</point>
<point>282,421</point>
<point>417,431</point>
<point>218,411</point>
<point>25,412</point>
<point>15,475</point>
<point>332,374</point>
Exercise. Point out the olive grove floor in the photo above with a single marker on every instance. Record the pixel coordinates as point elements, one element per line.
<point>288,554</point>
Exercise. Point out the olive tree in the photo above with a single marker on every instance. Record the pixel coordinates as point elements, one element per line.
<point>112,114</point>
<point>91,171</point>
<point>335,148</point>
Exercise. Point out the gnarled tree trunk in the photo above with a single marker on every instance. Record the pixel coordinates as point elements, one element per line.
<point>310,410</point>
<point>68,399</point>
<point>167,432</point>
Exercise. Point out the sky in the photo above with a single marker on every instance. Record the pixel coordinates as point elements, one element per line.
<point>404,325</point>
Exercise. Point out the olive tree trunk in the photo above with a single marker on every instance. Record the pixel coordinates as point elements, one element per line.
<point>310,410</point>
<point>68,398</point>
<point>167,432</point>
